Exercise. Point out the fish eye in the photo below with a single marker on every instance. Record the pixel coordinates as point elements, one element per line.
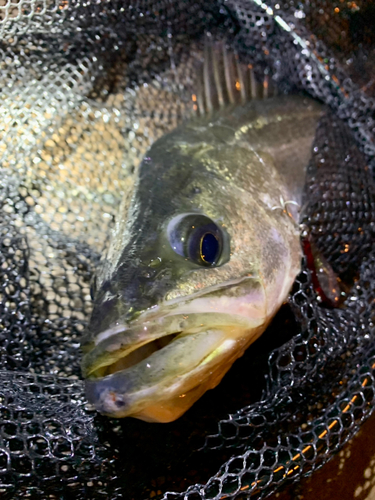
<point>197,238</point>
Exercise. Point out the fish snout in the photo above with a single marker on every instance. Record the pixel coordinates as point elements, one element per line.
<point>120,299</point>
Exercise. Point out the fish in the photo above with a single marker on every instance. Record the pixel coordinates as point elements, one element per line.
<point>206,247</point>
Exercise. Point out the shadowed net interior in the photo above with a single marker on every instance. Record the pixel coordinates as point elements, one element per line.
<point>86,87</point>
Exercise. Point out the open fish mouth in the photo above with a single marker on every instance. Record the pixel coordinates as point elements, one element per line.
<point>158,366</point>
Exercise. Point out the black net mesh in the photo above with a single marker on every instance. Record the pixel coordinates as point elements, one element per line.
<point>86,87</point>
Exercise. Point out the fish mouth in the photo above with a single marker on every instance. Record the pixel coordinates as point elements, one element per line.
<point>157,367</point>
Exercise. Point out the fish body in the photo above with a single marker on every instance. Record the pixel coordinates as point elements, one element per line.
<point>204,255</point>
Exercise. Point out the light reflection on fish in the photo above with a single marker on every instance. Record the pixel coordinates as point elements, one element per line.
<point>208,254</point>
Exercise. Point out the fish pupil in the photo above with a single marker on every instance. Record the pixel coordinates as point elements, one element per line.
<point>209,248</point>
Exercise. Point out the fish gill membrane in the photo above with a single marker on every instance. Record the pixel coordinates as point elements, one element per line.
<point>206,249</point>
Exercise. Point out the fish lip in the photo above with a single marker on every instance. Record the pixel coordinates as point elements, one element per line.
<point>161,332</point>
<point>153,325</point>
<point>114,346</point>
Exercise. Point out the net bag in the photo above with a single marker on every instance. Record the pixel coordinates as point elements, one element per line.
<point>86,87</point>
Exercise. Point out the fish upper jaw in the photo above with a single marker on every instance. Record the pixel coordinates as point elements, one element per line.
<point>239,302</point>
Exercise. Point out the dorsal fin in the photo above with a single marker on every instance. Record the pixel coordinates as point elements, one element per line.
<point>223,80</point>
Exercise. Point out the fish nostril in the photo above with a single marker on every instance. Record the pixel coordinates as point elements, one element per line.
<point>120,403</point>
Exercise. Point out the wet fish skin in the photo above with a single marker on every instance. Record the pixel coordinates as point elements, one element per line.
<point>237,167</point>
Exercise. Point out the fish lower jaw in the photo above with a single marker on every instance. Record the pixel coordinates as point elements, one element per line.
<point>164,385</point>
<point>179,400</point>
<point>141,353</point>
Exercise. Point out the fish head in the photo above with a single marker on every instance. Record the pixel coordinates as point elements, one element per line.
<point>198,274</point>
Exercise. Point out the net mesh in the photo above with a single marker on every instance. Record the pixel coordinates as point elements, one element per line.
<point>86,87</point>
